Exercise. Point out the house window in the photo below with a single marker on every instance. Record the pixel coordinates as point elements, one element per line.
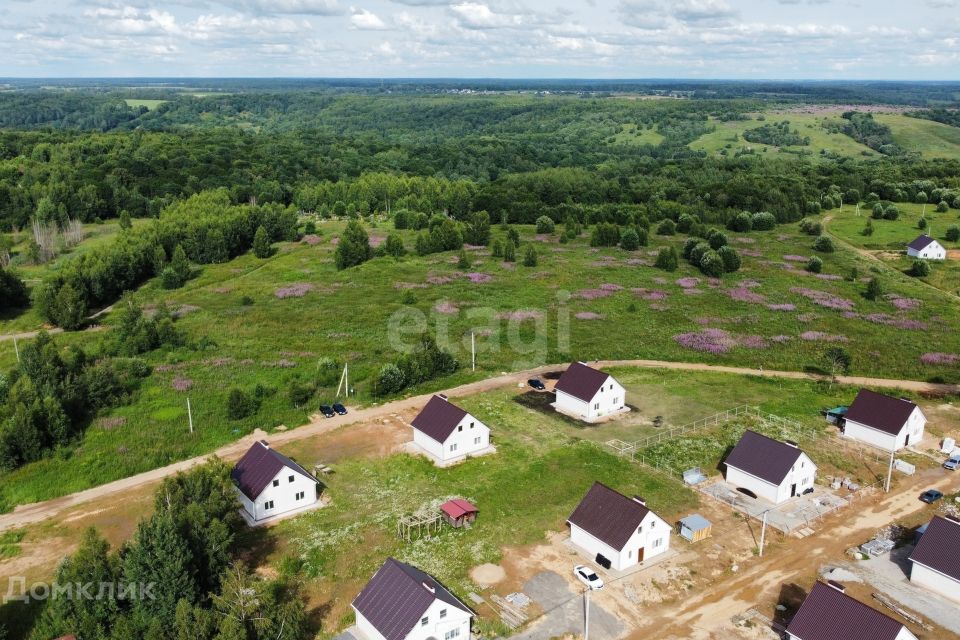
<point>640,529</point>
<point>443,613</point>
<point>630,554</point>
<point>657,542</point>
<point>268,505</point>
<point>276,483</point>
<point>596,406</point>
<point>616,400</point>
<point>476,440</point>
<point>460,428</point>
<point>289,478</point>
<point>611,387</point>
<point>471,425</point>
<point>424,620</point>
<point>652,522</point>
<point>453,447</point>
<point>453,633</point>
<point>300,495</point>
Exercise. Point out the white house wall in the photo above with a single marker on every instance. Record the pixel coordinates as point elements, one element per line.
<point>765,490</point>
<point>803,474</point>
<point>461,443</point>
<point>935,581</point>
<point>914,427</point>
<point>283,496</point>
<point>933,251</point>
<point>653,537</point>
<point>610,398</point>
<point>367,630</point>
<point>903,635</point>
<point>454,625</point>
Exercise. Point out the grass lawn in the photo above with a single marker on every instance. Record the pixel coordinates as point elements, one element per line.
<point>728,137</point>
<point>585,304</point>
<point>150,104</point>
<point>632,134</point>
<point>893,234</point>
<point>930,139</point>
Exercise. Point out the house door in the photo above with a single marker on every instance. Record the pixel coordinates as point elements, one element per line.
<point>793,490</point>
<point>640,554</point>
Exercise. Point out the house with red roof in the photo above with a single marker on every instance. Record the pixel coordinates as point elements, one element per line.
<point>617,532</point>
<point>270,484</point>
<point>771,469</point>
<point>935,561</point>
<point>401,602</point>
<point>447,434</point>
<point>926,248</point>
<point>828,613</point>
<point>588,394</point>
<point>884,421</point>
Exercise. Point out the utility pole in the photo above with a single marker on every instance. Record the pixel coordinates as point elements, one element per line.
<point>190,415</point>
<point>586,614</point>
<point>16,348</point>
<point>886,487</point>
<point>763,531</point>
<point>473,351</point>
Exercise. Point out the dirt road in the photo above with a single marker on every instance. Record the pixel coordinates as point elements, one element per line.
<point>38,511</point>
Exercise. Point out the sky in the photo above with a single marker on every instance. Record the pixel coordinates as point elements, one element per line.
<point>709,39</point>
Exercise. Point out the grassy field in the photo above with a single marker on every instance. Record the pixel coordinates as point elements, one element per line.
<point>579,303</point>
<point>150,104</point>
<point>632,134</point>
<point>893,234</point>
<point>930,139</point>
<point>728,137</point>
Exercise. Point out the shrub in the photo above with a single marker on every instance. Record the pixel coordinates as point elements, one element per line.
<point>401,219</point>
<point>953,233</point>
<point>716,239</point>
<point>877,212</point>
<point>643,236</point>
<point>390,379</point>
<point>545,224</point>
<point>811,227</point>
<point>874,289</point>
<point>891,213</point>
<point>711,264</point>
<point>393,246</point>
<point>530,256</point>
<point>13,292</point>
<point>239,404</point>
<point>741,223</point>
<point>630,240</point>
<point>667,259</point>
<point>513,236</point>
<point>605,234</point>
<point>310,227</point>
<point>688,246</point>
<point>942,206</point>
<point>299,394</point>
<point>510,252</point>
<point>667,228</point>
<point>922,223</point>
<point>463,260</point>
<point>868,228</point>
<point>496,249</point>
<point>815,264</point>
<point>730,257</point>
<point>697,253</point>
<point>920,269</point>
<point>354,246</point>
<point>764,221</point>
<point>823,244</point>
<point>261,243</point>
<point>685,222</point>
<point>477,230</point>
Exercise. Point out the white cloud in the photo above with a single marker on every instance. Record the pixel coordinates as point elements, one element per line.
<point>366,20</point>
<point>275,7</point>
<point>475,15</point>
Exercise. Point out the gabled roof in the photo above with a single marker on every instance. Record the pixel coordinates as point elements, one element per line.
<point>438,418</point>
<point>829,614</point>
<point>939,547</point>
<point>457,507</point>
<point>763,457</point>
<point>258,466</point>
<point>609,516</point>
<point>884,413</point>
<point>921,243</point>
<point>398,595</point>
<point>581,381</point>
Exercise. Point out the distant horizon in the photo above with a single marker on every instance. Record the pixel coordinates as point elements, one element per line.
<point>406,78</point>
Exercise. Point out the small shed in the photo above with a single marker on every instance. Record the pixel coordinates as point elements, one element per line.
<point>458,513</point>
<point>836,415</point>
<point>695,528</point>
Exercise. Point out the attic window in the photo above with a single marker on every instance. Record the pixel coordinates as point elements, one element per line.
<point>460,428</point>
<point>424,620</point>
<point>290,478</point>
<point>276,483</point>
<point>443,613</point>
<point>471,425</point>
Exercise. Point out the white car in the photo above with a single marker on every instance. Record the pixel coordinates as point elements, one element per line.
<point>953,463</point>
<point>588,577</point>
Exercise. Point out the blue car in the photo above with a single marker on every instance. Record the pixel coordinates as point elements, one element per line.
<point>930,496</point>
<point>536,384</point>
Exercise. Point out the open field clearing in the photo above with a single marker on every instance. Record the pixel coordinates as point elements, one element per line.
<point>150,104</point>
<point>893,234</point>
<point>930,139</point>
<point>633,134</point>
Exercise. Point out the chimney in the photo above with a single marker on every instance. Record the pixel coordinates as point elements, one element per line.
<point>442,396</point>
<point>642,501</point>
<point>429,587</point>
<point>953,519</point>
<point>266,445</point>
<point>791,443</point>
<point>836,585</point>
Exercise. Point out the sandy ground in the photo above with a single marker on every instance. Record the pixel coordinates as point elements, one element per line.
<point>37,512</point>
<point>697,594</point>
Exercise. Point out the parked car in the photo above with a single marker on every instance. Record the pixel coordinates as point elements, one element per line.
<point>952,463</point>
<point>327,411</point>
<point>536,384</point>
<point>930,496</point>
<point>588,577</point>
<point>340,409</point>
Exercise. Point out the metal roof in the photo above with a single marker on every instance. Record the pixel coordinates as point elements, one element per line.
<point>608,515</point>
<point>921,242</point>
<point>939,547</point>
<point>457,508</point>
<point>882,412</point>
<point>258,466</point>
<point>438,418</point>
<point>763,457</point>
<point>696,522</point>
<point>581,381</point>
<point>829,614</point>
<point>398,595</point>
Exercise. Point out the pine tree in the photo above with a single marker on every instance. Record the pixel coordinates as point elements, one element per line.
<point>530,256</point>
<point>261,243</point>
<point>354,246</point>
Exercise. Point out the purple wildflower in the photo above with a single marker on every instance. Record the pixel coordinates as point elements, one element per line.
<point>820,336</point>
<point>479,278</point>
<point>904,304</point>
<point>593,294</point>
<point>588,315</point>
<point>824,299</point>
<point>795,258</point>
<point>782,306</point>
<point>181,384</point>
<point>714,341</point>
<point>294,291</point>
<point>519,316</point>
<point>311,239</point>
<point>940,358</point>
<point>688,283</point>
<point>446,307</point>
<point>742,294</point>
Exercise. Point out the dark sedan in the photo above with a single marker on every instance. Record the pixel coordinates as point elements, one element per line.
<point>536,384</point>
<point>930,496</point>
<point>327,411</point>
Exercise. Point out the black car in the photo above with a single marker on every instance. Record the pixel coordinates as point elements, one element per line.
<point>339,408</point>
<point>327,411</point>
<point>536,384</point>
<point>930,496</point>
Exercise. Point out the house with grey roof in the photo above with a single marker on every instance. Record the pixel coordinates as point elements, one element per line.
<point>270,484</point>
<point>402,602</point>
<point>447,434</point>
<point>935,561</point>
<point>615,531</point>
<point>770,469</point>
<point>588,394</point>
<point>884,421</point>
<point>828,613</point>
<point>926,248</point>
